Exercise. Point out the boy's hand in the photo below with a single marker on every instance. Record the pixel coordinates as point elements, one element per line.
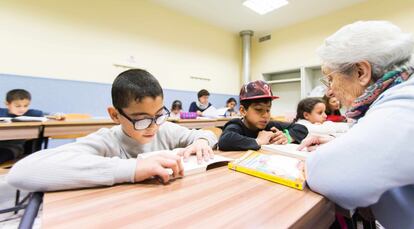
<point>201,148</point>
<point>279,138</point>
<point>264,137</point>
<point>157,165</point>
<point>312,142</point>
<point>199,113</point>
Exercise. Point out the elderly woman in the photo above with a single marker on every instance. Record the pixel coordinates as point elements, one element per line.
<point>366,66</point>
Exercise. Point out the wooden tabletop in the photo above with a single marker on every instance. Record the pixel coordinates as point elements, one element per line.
<point>19,130</point>
<point>77,122</point>
<point>81,127</point>
<point>217,198</point>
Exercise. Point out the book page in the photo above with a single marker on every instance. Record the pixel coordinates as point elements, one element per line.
<point>211,112</point>
<point>191,166</point>
<point>28,119</point>
<point>5,119</point>
<point>287,150</point>
<point>278,165</point>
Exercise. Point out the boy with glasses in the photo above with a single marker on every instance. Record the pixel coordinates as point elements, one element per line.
<point>109,156</point>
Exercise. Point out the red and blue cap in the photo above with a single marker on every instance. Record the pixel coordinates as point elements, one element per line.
<point>258,89</point>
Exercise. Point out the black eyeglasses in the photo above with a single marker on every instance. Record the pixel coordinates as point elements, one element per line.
<point>141,124</point>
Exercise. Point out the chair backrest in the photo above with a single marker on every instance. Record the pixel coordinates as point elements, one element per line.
<point>217,131</point>
<point>78,116</point>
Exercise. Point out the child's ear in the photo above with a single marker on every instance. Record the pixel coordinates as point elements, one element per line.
<point>306,115</point>
<point>242,110</point>
<point>113,113</point>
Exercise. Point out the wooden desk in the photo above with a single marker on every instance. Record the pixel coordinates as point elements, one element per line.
<point>222,121</point>
<point>218,198</point>
<point>195,123</point>
<point>20,130</point>
<point>74,127</point>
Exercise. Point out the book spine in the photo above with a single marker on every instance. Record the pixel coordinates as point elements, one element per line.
<point>266,176</point>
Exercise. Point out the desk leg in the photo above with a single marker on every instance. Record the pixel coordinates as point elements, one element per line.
<point>31,210</point>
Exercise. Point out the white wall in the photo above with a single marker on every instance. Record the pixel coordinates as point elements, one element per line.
<point>81,40</point>
<point>294,46</point>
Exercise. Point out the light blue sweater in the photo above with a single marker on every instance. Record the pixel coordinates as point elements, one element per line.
<point>373,163</point>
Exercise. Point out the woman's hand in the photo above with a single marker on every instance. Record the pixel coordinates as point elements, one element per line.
<point>312,142</point>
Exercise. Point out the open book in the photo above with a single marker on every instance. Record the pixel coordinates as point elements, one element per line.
<point>5,119</point>
<point>192,166</point>
<point>277,168</point>
<point>211,112</point>
<point>287,150</point>
<point>28,119</point>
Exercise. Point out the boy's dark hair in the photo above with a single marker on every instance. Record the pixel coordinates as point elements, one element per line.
<point>328,110</point>
<point>246,103</point>
<point>306,105</point>
<point>17,94</point>
<point>231,100</point>
<point>134,85</point>
<point>202,92</point>
<point>177,105</point>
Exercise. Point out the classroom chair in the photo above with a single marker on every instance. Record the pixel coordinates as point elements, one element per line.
<point>217,131</point>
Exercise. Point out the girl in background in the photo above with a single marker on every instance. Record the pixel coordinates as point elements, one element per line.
<point>332,111</point>
<point>176,108</point>
<point>311,113</point>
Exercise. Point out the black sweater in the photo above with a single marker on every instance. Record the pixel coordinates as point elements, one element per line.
<point>236,136</point>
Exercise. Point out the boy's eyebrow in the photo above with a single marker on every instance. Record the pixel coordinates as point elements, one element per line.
<point>143,113</point>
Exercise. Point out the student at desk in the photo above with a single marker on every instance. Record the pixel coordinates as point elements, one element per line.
<point>255,128</point>
<point>311,113</point>
<point>109,156</point>
<point>202,102</point>
<point>17,103</point>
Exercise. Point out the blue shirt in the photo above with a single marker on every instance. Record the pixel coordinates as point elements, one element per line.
<point>4,112</point>
<point>373,163</point>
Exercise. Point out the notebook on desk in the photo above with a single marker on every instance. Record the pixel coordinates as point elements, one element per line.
<point>5,119</point>
<point>191,166</point>
<point>280,169</point>
<point>28,119</point>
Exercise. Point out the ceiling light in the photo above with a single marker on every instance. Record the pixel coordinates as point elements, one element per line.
<point>264,6</point>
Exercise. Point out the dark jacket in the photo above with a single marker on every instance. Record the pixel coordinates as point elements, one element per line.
<point>4,112</point>
<point>195,108</point>
<point>236,136</point>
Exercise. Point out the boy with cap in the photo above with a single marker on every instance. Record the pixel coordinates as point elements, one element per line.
<point>111,156</point>
<point>255,128</point>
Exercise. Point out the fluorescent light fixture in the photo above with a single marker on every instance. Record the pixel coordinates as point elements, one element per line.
<point>264,6</point>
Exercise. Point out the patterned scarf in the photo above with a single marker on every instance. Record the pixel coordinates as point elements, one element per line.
<point>201,106</point>
<point>361,104</point>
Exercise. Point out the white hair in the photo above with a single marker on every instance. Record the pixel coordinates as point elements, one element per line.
<point>381,43</point>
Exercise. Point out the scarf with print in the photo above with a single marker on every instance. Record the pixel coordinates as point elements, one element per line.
<point>202,106</point>
<point>361,105</point>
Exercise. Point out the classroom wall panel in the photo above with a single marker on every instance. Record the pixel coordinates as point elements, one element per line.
<point>70,96</point>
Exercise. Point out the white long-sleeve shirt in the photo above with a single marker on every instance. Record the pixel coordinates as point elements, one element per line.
<point>325,128</point>
<point>373,163</point>
<point>105,157</point>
